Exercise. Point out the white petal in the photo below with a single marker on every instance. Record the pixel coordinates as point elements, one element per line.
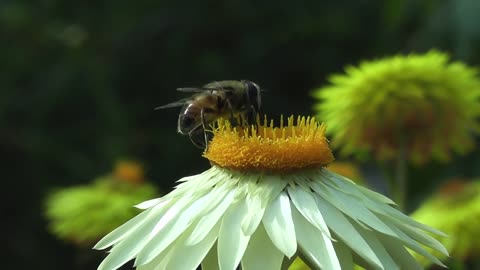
<point>255,210</point>
<point>206,223</point>
<point>211,260</point>
<point>389,211</point>
<point>133,241</point>
<point>315,245</point>
<point>376,202</point>
<point>261,191</point>
<point>344,255</point>
<point>186,178</point>
<point>377,247</point>
<point>149,203</point>
<point>261,253</point>
<point>344,230</point>
<point>172,214</point>
<point>348,186</point>
<point>189,257</point>
<point>166,232</point>
<point>400,254</point>
<point>279,225</point>
<point>272,186</point>
<point>201,184</point>
<point>375,195</point>
<point>159,262</point>
<point>418,235</point>
<point>413,245</point>
<point>305,203</point>
<point>352,207</point>
<point>231,240</point>
<point>218,194</point>
<point>121,232</point>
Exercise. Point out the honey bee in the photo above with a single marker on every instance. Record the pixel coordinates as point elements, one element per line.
<point>212,101</point>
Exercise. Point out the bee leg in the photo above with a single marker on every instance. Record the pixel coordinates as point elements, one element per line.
<point>232,118</point>
<point>204,125</point>
<point>252,115</point>
<point>193,135</point>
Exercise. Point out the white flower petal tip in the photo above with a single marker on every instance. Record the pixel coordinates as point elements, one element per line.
<point>148,204</point>
<point>222,219</point>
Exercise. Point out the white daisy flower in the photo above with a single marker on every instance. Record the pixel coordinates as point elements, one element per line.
<point>266,200</point>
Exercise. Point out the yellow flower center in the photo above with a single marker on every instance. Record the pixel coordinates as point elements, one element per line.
<point>264,147</point>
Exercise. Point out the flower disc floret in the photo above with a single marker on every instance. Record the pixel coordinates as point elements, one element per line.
<point>300,144</point>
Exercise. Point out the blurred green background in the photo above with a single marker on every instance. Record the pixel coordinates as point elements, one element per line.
<point>79,81</point>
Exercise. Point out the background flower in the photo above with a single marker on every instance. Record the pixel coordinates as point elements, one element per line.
<point>83,214</point>
<point>455,210</point>
<point>421,102</point>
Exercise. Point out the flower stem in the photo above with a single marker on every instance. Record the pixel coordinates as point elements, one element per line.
<point>399,187</point>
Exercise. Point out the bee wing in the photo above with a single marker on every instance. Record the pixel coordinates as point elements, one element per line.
<point>178,103</point>
<point>195,89</point>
